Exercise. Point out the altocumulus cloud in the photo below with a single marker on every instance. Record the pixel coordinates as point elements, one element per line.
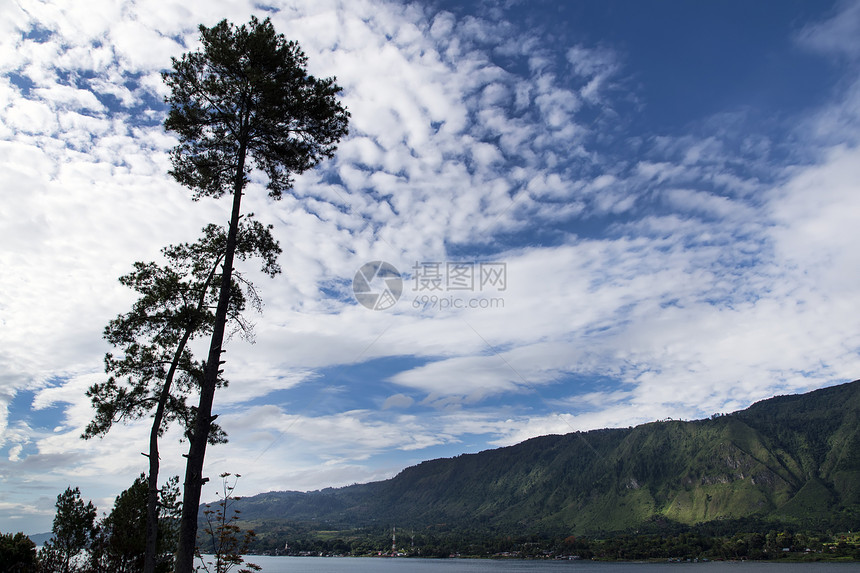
<point>650,273</point>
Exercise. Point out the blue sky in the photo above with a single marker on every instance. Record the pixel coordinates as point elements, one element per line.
<point>668,189</point>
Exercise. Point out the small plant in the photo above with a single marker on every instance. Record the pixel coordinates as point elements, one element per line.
<point>228,541</point>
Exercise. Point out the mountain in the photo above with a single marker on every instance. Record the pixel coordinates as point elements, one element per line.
<point>791,459</point>
<point>39,539</point>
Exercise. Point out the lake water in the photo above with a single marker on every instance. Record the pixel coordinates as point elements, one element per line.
<point>382,565</point>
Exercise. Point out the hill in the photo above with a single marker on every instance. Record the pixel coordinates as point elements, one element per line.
<point>788,460</point>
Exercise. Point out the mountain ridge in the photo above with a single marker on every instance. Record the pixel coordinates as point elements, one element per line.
<point>791,459</point>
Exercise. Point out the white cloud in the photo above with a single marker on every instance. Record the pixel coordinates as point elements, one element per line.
<point>31,117</point>
<point>707,204</point>
<point>69,97</point>
<point>397,401</point>
<point>712,286</point>
<point>838,35</point>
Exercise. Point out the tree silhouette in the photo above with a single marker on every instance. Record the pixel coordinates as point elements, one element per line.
<point>73,529</point>
<point>17,553</point>
<point>120,541</point>
<point>243,98</point>
<point>156,370</point>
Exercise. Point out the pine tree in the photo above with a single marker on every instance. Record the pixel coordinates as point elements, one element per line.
<point>73,529</point>
<point>244,98</point>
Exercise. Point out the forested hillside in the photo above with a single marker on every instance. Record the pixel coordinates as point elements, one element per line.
<point>786,460</point>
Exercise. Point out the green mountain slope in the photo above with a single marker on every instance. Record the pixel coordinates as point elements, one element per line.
<point>792,459</point>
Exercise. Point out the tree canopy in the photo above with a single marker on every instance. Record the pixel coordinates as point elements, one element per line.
<point>246,94</point>
<point>175,306</point>
<point>17,553</point>
<point>73,529</point>
<point>119,545</point>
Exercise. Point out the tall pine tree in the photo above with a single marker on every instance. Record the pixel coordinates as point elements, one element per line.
<point>243,99</point>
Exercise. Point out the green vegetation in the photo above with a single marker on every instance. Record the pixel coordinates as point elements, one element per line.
<point>17,553</point>
<point>74,529</point>
<point>82,544</point>
<point>788,464</point>
<point>750,539</point>
<point>119,541</point>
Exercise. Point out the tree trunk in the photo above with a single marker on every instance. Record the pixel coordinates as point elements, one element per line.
<point>197,449</point>
<point>151,550</point>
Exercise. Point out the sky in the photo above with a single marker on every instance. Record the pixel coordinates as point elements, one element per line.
<point>547,217</point>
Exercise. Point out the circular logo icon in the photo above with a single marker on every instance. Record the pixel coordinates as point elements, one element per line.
<point>377,285</point>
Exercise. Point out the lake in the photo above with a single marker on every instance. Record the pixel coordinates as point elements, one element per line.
<point>382,565</point>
